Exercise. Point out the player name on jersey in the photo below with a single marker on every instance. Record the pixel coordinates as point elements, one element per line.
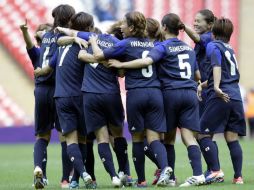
<point>104,44</point>
<point>141,44</point>
<point>179,48</point>
<point>48,40</point>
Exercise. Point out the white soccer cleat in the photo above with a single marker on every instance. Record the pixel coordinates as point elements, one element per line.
<point>123,178</point>
<point>116,182</point>
<point>164,177</point>
<point>87,180</point>
<point>194,181</point>
<point>171,183</point>
<point>38,178</point>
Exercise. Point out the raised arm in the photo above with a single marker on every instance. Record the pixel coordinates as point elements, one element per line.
<point>26,35</point>
<point>66,31</point>
<point>192,34</point>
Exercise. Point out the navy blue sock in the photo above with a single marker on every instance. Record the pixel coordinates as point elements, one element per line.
<point>75,156</point>
<point>83,151</point>
<point>66,163</point>
<point>217,149</point>
<point>194,155</point>
<point>210,153</point>
<point>139,160</point>
<point>120,147</point>
<point>75,176</point>
<point>205,157</point>
<point>107,159</point>
<point>90,160</point>
<point>236,157</point>
<point>171,155</point>
<point>149,153</point>
<point>127,168</point>
<point>160,153</point>
<point>40,147</point>
<point>44,164</point>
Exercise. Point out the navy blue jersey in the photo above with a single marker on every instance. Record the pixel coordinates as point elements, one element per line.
<point>48,48</point>
<point>98,78</point>
<point>176,64</point>
<point>69,72</point>
<point>200,49</point>
<point>130,49</point>
<point>222,55</point>
<point>34,55</point>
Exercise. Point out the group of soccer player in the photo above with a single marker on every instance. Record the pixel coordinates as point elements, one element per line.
<point>169,85</point>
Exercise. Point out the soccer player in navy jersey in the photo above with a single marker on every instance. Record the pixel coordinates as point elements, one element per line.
<point>224,110</point>
<point>34,53</point>
<point>145,113</point>
<point>202,35</point>
<point>68,97</point>
<point>45,116</point>
<point>177,70</point>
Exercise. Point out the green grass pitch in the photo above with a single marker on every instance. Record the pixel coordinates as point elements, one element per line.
<point>16,167</point>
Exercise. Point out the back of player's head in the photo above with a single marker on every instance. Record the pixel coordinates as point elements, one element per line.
<point>62,14</point>
<point>172,23</point>
<point>42,27</point>
<point>138,21</point>
<point>82,22</point>
<point>223,29</point>
<point>208,16</point>
<point>153,29</point>
<point>115,29</point>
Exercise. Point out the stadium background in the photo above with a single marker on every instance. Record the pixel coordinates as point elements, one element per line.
<point>16,71</point>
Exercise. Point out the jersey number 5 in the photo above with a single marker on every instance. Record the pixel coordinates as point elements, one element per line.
<point>184,66</point>
<point>147,71</point>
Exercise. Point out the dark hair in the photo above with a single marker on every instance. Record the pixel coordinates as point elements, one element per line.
<point>82,22</point>
<point>62,14</point>
<point>115,29</point>
<point>172,23</point>
<point>208,15</point>
<point>153,29</point>
<point>138,21</point>
<point>97,30</point>
<point>223,29</point>
<point>47,27</point>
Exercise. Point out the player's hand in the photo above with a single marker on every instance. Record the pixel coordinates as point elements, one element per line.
<point>222,95</point>
<point>37,72</point>
<point>199,91</point>
<point>81,42</point>
<point>114,63</point>
<point>24,26</point>
<point>82,53</point>
<point>93,38</point>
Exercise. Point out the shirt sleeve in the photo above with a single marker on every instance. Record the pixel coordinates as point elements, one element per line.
<point>84,35</point>
<point>205,39</point>
<point>214,54</point>
<point>157,53</point>
<point>116,51</point>
<point>53,60</point>
<point>196,66</point>
<point>34,55</point>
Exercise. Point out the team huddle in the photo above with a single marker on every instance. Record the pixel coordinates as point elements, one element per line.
<point>169,85</point>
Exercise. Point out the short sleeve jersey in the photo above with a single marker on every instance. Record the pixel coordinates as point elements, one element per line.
<point>176,64</point>
<point>48,48</point>
<point>69,72</point>
<point>222,55</point>
<point>200,49</point>
<point>97,77</point>
<point>130,49</point>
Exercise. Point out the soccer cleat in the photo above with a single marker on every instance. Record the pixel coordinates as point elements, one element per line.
<point>157,176</point>
<point>87,180</point>
<point>194,181</point>
<point>238,181</point>
<point>171,183</point>
<point>38,178</point>
<point>164,177</point>
<point>214,176</point>
<point>123,177</point>
<point>74,185</point>
<point>64,184</point>
<point>143,184</point>
<point>116,182</point>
